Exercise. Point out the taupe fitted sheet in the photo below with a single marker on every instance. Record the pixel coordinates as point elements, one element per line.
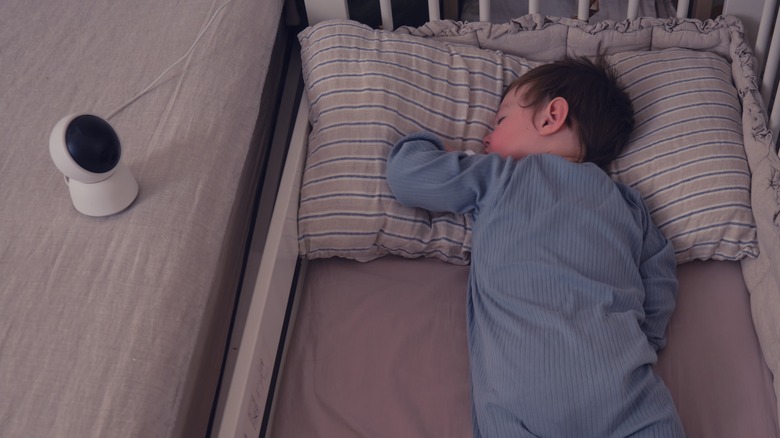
<point>116,326</point>
<point>379,349</point>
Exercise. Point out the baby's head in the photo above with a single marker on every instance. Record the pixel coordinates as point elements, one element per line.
<point>574,108</point>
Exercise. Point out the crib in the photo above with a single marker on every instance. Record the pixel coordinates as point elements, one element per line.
<point>723,347</point>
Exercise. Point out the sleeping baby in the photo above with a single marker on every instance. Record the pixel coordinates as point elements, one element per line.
<point>571,285</point>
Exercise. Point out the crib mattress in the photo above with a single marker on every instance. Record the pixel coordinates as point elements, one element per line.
<point>379,349</point>
<point>116,326</point>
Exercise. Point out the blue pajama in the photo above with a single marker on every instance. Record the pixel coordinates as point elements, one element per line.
<point>571,287</point>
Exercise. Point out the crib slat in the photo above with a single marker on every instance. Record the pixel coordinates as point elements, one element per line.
<point>583,10</point>
<point>764,31</point>
<point>484,10</point>
<point>434,13</point>
<point>774,119</point>
<point>386,10</point>
<point>633,9</point>
<point>770,68</point>
<point>533,6</point>
<point>682,8</point>
<point>321,10</point>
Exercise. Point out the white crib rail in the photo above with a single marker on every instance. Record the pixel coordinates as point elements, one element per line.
<point>252,375</point>
<point>533,6</point>
<point>320,10</point>
<point>386,11</point>
<point>682,8</point>
<point>768,56</point>
<point>765,29</point>
<point>484,10</point>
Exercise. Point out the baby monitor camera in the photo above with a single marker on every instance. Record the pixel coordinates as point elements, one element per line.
<point>86,149</point>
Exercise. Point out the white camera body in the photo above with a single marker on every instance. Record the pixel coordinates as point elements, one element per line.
<point>87,151</point>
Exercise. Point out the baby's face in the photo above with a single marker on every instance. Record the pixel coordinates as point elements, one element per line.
<point>514,132</point>
<point>518,130</point>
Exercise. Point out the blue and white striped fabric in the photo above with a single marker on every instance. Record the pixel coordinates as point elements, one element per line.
<point>686,154</point>
<point>366,90</point>
<point>369,88</point>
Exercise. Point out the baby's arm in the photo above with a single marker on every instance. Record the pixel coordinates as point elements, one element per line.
<point>658,270</point>
<point>422,174</point>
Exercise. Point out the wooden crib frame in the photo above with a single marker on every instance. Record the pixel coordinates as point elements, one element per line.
<point>245,407</point>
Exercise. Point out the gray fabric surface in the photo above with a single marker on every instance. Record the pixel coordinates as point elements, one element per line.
<point>112,326</point>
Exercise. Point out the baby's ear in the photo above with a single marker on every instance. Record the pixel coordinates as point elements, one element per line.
<point>554,116</point>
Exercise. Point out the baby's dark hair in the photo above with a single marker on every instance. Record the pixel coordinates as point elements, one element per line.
<point>600,111</point>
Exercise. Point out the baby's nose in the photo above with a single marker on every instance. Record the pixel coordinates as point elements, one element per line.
<point>486,140</point>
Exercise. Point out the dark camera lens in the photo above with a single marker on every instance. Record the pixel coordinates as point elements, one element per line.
<point>92,143</point>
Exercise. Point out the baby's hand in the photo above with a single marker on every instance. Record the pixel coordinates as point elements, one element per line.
<point>468,152</point>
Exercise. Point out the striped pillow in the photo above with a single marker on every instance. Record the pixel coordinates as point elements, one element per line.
<point>369,88</point>
<point>686,155</point>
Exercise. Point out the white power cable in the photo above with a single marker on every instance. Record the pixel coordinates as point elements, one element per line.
<point>156,80</point>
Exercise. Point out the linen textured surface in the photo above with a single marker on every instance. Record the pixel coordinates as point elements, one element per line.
<point>369,88</point>
<point>116,326</point>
